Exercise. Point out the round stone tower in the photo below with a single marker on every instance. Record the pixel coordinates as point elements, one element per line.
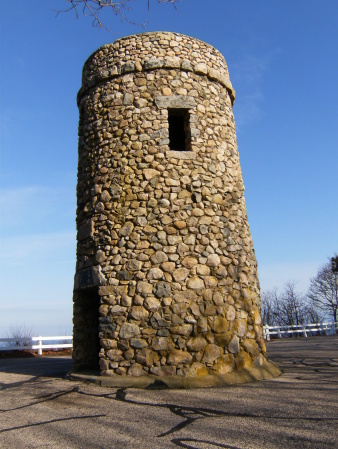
<point>166,280</point>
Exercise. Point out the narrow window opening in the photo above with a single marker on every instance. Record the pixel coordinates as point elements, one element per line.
<point>179,130</point>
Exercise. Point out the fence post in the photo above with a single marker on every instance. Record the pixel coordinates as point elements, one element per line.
<point>267,332</point>
<point>40,346</point>
<point>304,331</point>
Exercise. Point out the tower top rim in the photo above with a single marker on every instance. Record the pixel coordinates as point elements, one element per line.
<point>153,51</point>
<point>152,34</point>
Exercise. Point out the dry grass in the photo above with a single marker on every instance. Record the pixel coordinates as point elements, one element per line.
<point>25,353</point>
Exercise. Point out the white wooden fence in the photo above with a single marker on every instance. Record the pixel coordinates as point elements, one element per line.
<point>36,343</point>
<point>300,329</point>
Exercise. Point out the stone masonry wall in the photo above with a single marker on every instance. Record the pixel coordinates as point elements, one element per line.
<point>163,236</point>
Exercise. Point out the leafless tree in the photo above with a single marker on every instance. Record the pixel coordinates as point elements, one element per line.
<point>268,306</point>
<point>94,8</point>
<point>288,308</point>
<point>20,331</point>
<point>292,305</point>
<point>312,314</point>
<point>323,291</point>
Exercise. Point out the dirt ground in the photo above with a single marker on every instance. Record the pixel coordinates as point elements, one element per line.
<point>298,410</point>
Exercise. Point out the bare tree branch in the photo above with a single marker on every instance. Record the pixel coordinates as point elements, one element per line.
<point>94,8</point>
<point>323,291</point>
<point>290,307</point>
<point>287,308</point>
<point>20,331</point>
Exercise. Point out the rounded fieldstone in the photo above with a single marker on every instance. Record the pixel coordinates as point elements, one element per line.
<point>136,370</point>
<point>162,343</point>
<point>233,346</point>
<point>220,325</point>
<point>152,304</point>
<point>168,266</point>
<point>180,274</point>
<point>211,353</point>
<point>225,364</point>
<point>202,270</point>
<point>196,343</point>
<point>144,288</point>
<point>213,260</point>
<point>126,229</point>
<point>231,313</point>
<point>129,330</point>
<point>155,273</point>
<point>100,256</point>
<point>177,357</point>
<point>195,283</point>
<point>139,313</point>
<point>138,343</point>
<point>162,289</point>
<point>189,262</point>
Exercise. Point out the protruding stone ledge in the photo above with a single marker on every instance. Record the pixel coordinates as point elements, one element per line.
<point>175,101</point>
<point>88,278</point>
<point>181,154</point>
<point>155,64</point>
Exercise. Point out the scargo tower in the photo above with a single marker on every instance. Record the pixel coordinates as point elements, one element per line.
<point>166,283</point>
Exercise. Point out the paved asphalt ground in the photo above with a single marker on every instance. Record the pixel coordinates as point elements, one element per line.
<point>40,409</point>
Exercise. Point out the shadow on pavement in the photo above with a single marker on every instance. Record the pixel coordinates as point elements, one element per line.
<point>56,367</point>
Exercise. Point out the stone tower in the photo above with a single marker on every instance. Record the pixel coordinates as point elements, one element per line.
<point>166,280</point>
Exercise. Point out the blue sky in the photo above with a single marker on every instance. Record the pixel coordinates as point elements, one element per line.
<point>282,59</point>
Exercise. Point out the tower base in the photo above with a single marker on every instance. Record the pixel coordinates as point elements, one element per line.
<point>268,370</point>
